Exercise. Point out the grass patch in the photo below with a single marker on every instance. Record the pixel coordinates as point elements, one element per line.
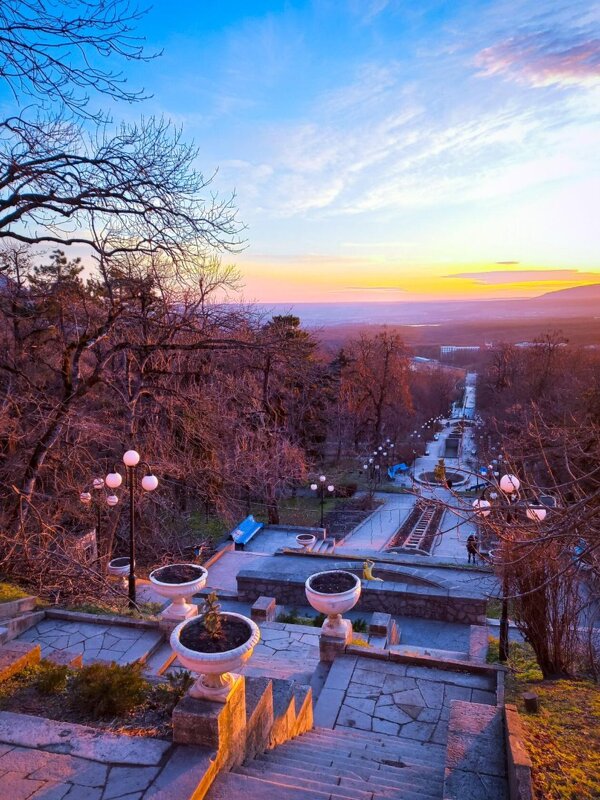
<point>144,610</point>
<point>212,529</point>
<point>9,592</point>
<point>563,739</point>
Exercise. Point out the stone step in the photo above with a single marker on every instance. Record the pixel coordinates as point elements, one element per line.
<point>14,608</point>
<point>160,660</point>
<point>359,767</point>
<point>231,785</point>
<point>11,628</point>
<point>14,656</point>
<point>443,655</point>
<point>410,750</point>
<point>381,791</point>
<point>345,751</point>
<point>412,777</point>
<point>316,783</point>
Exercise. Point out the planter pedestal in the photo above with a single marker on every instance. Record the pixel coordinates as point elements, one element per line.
<point>179,610</point>
<point>337,627</point>
<point>213,687</point>
<point>219,726</point>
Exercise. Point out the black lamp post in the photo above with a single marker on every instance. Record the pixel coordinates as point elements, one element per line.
<point>320,488</point>
<point>149,482</point>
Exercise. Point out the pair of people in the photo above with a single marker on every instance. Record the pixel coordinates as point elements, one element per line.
<point>472,549</point>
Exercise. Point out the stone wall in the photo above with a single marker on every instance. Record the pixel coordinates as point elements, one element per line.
<point>392,598</point>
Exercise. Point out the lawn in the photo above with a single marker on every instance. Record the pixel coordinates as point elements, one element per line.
<point>8,592</point>
<point>563,739</point>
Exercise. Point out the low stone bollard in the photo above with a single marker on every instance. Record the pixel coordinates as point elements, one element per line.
<point>383,630</point>
<point>264,610</point>
<point>531,701</point>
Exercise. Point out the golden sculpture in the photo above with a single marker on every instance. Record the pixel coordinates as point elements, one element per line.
<point>368,571</point>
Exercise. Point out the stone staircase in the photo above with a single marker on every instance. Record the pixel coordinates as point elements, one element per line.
<point>17,616</point>
<point>344,764</point>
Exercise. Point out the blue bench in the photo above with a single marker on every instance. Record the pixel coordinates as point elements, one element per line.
<point>242,534</point>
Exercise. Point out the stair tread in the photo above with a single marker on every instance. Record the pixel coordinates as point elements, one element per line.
<point>332,787</point>
<point>230,784</point>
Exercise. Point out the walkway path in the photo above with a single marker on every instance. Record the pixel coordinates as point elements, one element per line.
<point>44,759</point>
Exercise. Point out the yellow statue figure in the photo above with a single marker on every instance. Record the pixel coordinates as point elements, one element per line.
<point>368,571</point>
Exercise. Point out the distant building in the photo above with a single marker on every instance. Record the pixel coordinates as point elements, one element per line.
<point>450,349</point>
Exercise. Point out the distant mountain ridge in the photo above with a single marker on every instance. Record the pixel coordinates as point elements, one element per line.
<point>578,301</point>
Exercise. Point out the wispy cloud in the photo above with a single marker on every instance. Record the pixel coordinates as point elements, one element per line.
<point>544,58</point>
<point>501,277</point>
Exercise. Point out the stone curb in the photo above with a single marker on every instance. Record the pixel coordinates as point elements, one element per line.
<point>101,619</point>
<point>518,760</point>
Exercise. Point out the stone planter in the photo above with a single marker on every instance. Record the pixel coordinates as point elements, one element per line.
<point>119,568</point>
<point>178,593</point>
<point>306,540</point>
<point>334,604</point>
<point>216,678</point>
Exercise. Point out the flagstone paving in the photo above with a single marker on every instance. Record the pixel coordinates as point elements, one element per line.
<point>47,760</point>
<point>412,702</point>
<point>96,642</point>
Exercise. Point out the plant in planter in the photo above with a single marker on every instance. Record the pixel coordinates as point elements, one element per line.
<point>214,644</point>
<point>178,582</point>
<point>333,593</point>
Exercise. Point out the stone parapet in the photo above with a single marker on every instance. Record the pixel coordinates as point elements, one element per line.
<point>397,599</point>
<point>519,764</point>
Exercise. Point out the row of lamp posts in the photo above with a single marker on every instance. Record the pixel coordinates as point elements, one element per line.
<point>114,479</point>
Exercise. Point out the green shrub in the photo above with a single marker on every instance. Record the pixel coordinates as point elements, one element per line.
<point>52,678</point>
<point>170,693</point>
<point>360,625</point>
<point>109,690</point>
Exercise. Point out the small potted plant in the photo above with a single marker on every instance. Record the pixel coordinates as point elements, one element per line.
<point>214,644</point>
<point>306,540</point>
<point>177,582</point>
<point>119,568</point>
<point>334,592</point>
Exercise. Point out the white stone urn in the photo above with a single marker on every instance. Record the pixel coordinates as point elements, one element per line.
<point>178,593</point>
<point>217,670</point>
<point>334,604</point>
<point>119,568</point>
<point>306,540</point>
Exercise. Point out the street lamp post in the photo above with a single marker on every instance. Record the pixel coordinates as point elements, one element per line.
<point>507,499</point>
<point>149,482</point>
<point>320,488</point>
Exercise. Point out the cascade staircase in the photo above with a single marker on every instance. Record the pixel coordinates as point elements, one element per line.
<point>326,764</point>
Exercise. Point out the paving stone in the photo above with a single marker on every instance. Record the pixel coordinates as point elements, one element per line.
<point>79,771</point>
<point>327,707</point>
<point>79,740</point>
<point>440,734</point>
<point>363,704</point>
<point>392,714</point>
<point>459,785</point>
<point>410,697</point>
<point>367,678</point>
<point>127,780</point>
<point>421,731</point>
<point>432,693</point>
<point>182,773</point>
<point>14,786</point>
<point>427,714</point>
<point>385,726</point>
<point>476,753</point>
<point>354,719</point>
<point>360,690</point>
<point>398,683</point>
<point>340,673</point>
<point>83,793</point>
<point>447,676</point>
<point>52,791</point>
<point>415,711</point>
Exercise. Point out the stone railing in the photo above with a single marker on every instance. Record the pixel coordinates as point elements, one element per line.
<point>390,597</point>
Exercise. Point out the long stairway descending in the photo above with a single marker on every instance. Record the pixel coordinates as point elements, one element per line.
<point>326,764</point>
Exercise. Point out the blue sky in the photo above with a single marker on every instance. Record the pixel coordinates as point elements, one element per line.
<point>383,149</point>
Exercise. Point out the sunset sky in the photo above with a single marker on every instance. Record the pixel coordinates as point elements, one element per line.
<point>387,149</point>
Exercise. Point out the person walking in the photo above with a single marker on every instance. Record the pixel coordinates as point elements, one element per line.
<point>472,548</point>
